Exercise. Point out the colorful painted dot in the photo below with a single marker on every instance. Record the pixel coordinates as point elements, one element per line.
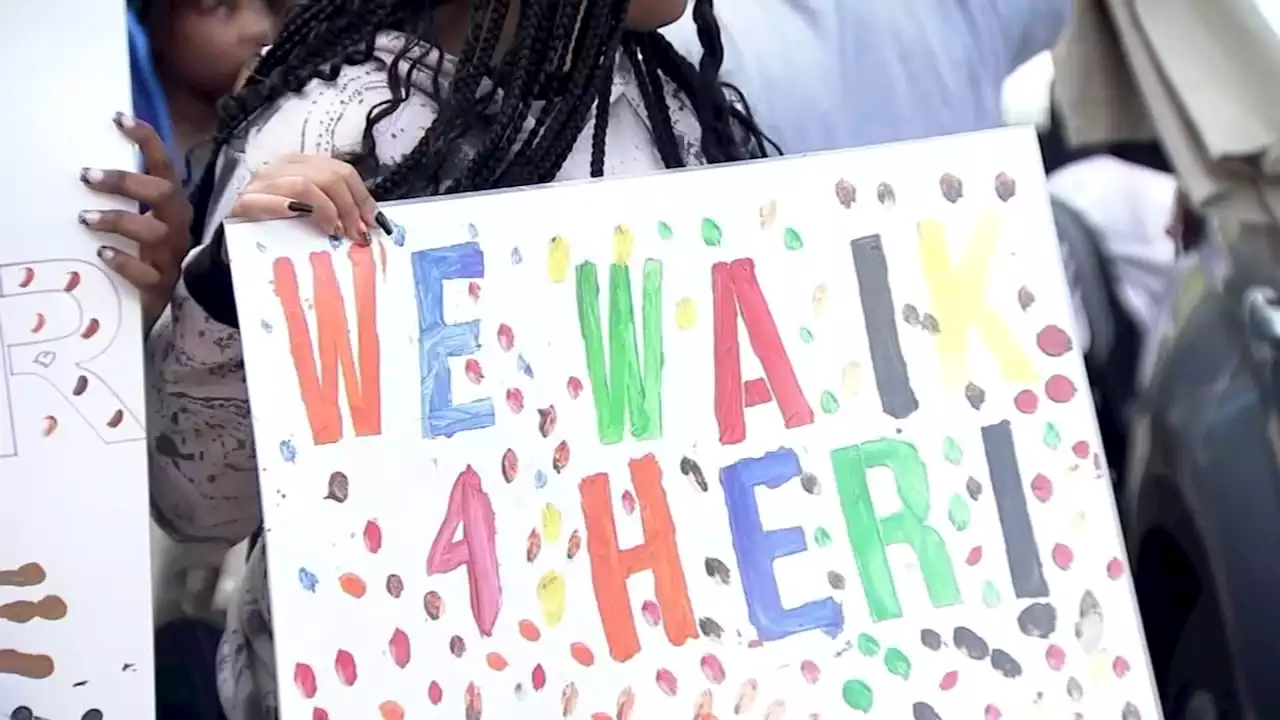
<point>948,680</point>
<point>1059,389</point>
<point>958,512</point>
<point>951,451</point>
<point>1080,449</point>
<point>712,235</point>
<point>868,645</point>
<point>821,537</point>
<point>539,479</point>
<point>523,367</point>
<point>686,313</point>
<point>990,595</point>
<point>791,239</point>
<point>1026,402</point>
<point>664,231</point>
<point>1052,437</point>
<point>806,335</point>
<point>288,451</point>
<point>516,256</point>
<point>897,663</point>
<point>829,402</point>
<point>858,695</point>
<point>1115,568</point>
<point>307,580</point>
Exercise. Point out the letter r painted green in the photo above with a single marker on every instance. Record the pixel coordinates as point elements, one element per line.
<point>870,534</point>
<point>623,386</point>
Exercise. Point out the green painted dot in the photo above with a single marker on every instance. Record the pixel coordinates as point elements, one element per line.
<point>792,239</point>
<point>858,695</point>
<point>821,537</point>
<point>952,451</point>
<point>868,645</point>
<point>664,231</point>
<point>896,662</point>
<point>990,595</point>
<point>711,233</point>
<point>829,402</point>
<point>958,512</point>
<point>806,335</point>
<point>1052,438</point>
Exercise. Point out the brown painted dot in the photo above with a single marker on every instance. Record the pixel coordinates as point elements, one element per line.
<point>116,418</point>
<point>91,328</point>
<point>82,384</point>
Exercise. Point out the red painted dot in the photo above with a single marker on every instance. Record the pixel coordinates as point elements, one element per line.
<point>473,289</point>
<point>1115,568</point>
<point>1080,449</point>
<point>1053,341</point>
<point>975,556</point>
<point>1063,557</point>
<point>434,693</point>
<point>1026,402</point>
<point>319,714</point>
<point>1041,487</point>
<point>1055,657</point>
<point>1059,388</point>
<point>1120,666</point>
<point>992,713</point>
<point>949,680</point>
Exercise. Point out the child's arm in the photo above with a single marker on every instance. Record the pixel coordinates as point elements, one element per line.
<point>204,480</point>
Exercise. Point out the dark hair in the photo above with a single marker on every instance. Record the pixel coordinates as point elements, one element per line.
<point>562,49</point>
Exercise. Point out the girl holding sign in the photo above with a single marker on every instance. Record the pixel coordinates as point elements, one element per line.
<point>417,99</point>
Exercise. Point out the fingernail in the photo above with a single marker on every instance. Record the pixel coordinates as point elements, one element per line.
<point>107,254</point>
<point>90,218</point>
<point>300,207</point>
<point>90,176</point>
<point>385,223</point>
<point>122,121</point>
<point>366,237</point>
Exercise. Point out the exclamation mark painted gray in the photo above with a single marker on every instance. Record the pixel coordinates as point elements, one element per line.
<point>1020,546</point>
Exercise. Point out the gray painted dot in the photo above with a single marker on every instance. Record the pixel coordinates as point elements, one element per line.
<point>970,643</point>
<point>930,639</point>
<point>1004,664</point>
<point>924,711</point>
<point>1038,620</point>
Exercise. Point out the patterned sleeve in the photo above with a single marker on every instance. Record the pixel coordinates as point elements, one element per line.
<point>204,479</point>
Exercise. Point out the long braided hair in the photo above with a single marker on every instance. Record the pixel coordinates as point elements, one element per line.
<point>562,50</point>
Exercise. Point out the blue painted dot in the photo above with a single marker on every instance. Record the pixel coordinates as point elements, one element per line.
<point>288,451</point>
<point>397,236</point>
<point>516,257</point>
<point>335,242</point>
<point>307,580</point>
<point>540,479</point>
<point>472,232</point>
<point>523,366</point>
<point>266,327</point>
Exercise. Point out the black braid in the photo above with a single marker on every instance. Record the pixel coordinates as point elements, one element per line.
<point>558,67</point>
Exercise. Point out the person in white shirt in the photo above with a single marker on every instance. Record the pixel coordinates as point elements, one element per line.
<point>830,74</point>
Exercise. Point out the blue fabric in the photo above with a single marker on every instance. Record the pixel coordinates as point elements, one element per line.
<point>149,104</point>
<point>830,74</point>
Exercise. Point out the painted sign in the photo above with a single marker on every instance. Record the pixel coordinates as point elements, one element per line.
<point>806,438</point>
<point>75,563</point>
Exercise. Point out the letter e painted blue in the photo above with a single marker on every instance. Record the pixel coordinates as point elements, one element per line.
<point>438,341</point>
<point>756,549</point>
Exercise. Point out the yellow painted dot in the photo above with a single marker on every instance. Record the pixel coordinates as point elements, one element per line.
<point>686,313</point>
<point>820,301</point>
<point>557,259</point>
<point>551,522</point>
<point>623,242</point>
<point>551,597</point>
<point>851,378</point>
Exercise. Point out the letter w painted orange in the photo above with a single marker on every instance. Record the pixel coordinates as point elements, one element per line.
<point>333,346</point>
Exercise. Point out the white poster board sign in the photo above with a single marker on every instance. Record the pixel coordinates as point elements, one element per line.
<point>75,562</point>
<point>805,437</point>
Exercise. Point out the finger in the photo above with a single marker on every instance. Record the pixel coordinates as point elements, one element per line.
<point>155,156</point>
<point>146,189</point>
<point>268,206</point>
<point>348,210</point>
<point>304,190</point>
<point>143,229</point>
<point>139,274</point>
<point>365,204</point>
